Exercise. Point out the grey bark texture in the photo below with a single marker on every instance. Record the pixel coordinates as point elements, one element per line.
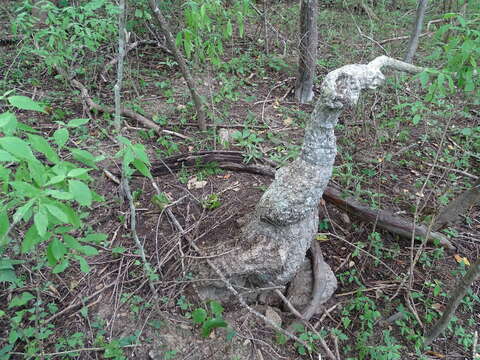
<point>307,51</point>
<point>455,298</point>
<point>417,29</point>
<point>272,245</point>
<point>458,206</point>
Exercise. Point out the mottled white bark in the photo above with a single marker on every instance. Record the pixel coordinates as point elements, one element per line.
<point>273,243</point>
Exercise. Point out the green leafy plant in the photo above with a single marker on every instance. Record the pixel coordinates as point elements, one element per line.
<point>69,32</point>
<point>211,202</point>
<point>209,320</point>
<point>39,185</point>
<point>208,23</point>
<point>249,140</point>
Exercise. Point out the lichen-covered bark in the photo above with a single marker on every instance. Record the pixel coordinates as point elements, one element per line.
<point>274,241</point>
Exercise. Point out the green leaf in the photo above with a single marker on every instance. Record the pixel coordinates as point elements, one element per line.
<point>84,157</point>
<point>217,308</point>
<point>72,243</point>
<point>199,316</point>
<point>209,325</point>
<point>57,213</point>
<point>94,5</point>
<point>8,123</point>
<point>31,239</point>
<point>416,119</point>
<point>57,269</point>
<point>25,189</point>
<point>40,220</point>
<point>57,194</point>
<point>78,172</point>
<point>41,145</point>
<point>25,103</point>
<point>80,191</point>
<point>57,249</point>
<point>60,137</point>
<point>423,76</point>
<point>8,276</point>
<point>95,238</point>
<point>281,339</point>
<point>17,147</point>
<point>7,157</point>
<point>88,250</point>
<point>22,211</point>
<point>140,153</point>
<point>20,300</point>
<point>4,223</point>
<point>73,217</point>
<point>142,168</point>
<point>38,172</point>
<point>56,179</point>
<point>77,122</point>
<point>84,267</point>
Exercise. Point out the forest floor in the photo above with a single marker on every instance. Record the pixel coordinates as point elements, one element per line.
<point>385,159</point>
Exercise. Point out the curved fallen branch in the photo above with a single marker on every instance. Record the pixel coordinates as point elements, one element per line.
<point>233,160</point>
<point>319,283</point>
<point>384,218</point>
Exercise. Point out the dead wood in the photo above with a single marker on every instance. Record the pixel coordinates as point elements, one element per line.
<point>318,281</point>
<point>233,160</point>
<point>458,206</point>
<point>124,111</point>
<point>165,28</point>
<point>384,218</point>
<point>129,48</point>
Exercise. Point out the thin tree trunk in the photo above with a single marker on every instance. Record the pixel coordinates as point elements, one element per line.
<point>457,295</point>
<point>413,42</point>
<point>165,28</point>
<point>307,51</point>
<point>121,55</point>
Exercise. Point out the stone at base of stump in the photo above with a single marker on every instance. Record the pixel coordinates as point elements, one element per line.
<point>300,290</point>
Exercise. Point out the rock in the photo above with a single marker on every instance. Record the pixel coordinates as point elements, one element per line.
<point>273,316</point>
<point>300,290</point>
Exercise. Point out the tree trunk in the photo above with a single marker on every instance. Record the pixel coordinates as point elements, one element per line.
<point>307,51</point>
<point>165,28</point>
<point>456,297</point>
<point>272,245</point>
<point>413,42</point>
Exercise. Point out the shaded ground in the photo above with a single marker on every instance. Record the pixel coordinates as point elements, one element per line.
<point>383,159</point>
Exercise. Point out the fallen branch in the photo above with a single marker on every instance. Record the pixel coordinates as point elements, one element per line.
<point>124,111</point>
<point>406,37</point>
<point>383,218</point>
<point>458,206</point>
<point>197,99</point>
<point>233,160</point>
<point>318,281</point>
<point>129,48</point>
